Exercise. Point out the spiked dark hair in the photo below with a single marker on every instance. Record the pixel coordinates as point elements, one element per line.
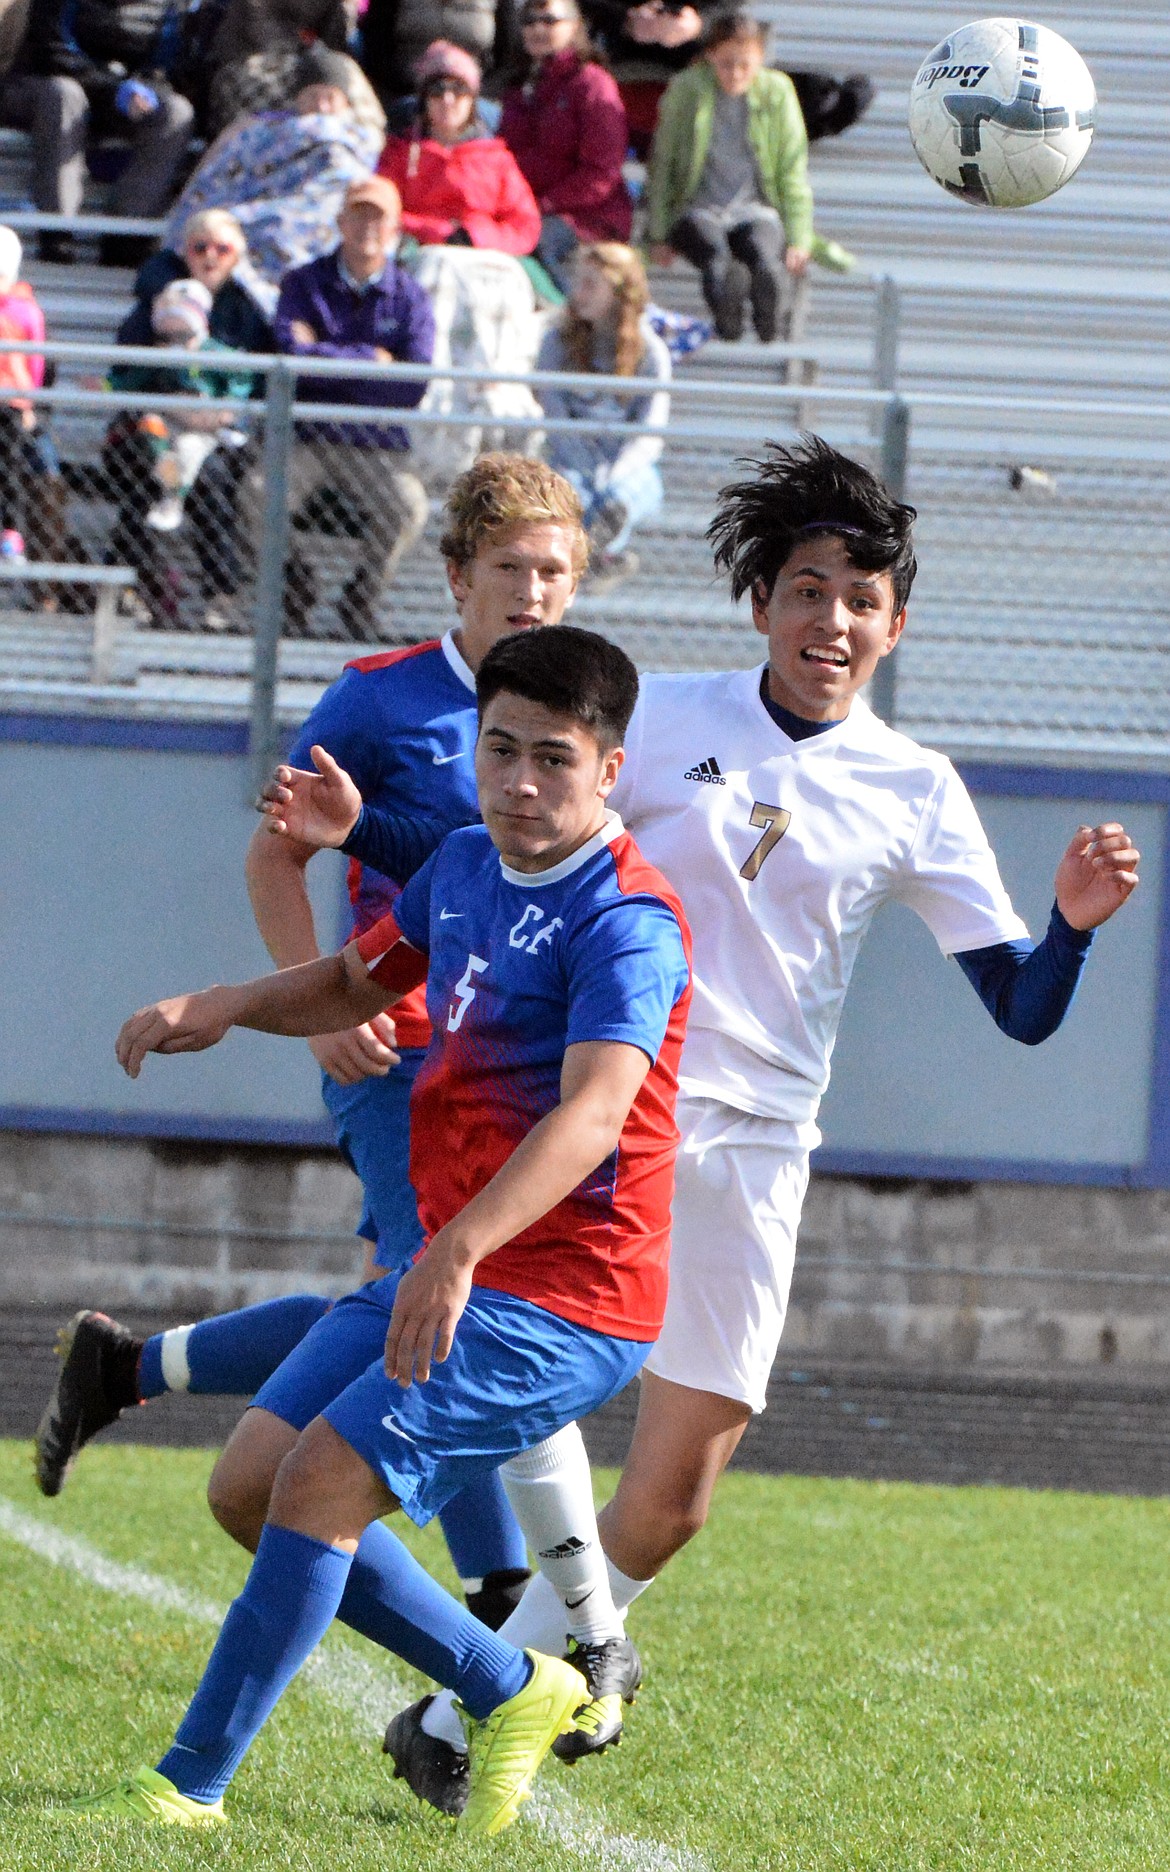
<point>573,672</point>
<point>808,487</point>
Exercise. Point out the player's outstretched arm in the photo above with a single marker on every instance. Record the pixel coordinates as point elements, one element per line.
<point>275,870</point>
<point>599,1082</point>
<point>315,809</point>
<point>1096,875</point>
<point>324,996</point>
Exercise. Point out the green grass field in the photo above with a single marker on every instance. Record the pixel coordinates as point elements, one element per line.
<point>841,1676</point>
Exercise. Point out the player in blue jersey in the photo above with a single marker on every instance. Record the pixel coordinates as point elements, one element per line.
<point>542,1151</point>
<point>403,723</point>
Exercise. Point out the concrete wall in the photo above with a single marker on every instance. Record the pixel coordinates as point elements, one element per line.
<point>983,1274</point>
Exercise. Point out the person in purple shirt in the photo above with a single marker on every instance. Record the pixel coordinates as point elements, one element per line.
<point>356,304</point>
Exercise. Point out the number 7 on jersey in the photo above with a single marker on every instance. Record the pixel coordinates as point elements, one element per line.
<point>775,823</point>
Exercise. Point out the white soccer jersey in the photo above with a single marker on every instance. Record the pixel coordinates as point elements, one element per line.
<point>781,851</point>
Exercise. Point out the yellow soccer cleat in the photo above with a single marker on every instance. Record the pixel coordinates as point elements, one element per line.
<point>147,1795</point>
<point>507,1748</point>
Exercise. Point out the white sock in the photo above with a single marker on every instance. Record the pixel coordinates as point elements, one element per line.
<point>439,1719</point>
<point>551,1492</point>
<point>536,1625</point>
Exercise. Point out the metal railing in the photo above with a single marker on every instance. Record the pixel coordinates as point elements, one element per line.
<point>959,475</point>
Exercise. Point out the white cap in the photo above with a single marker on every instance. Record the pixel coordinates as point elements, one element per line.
<point>185,302</point>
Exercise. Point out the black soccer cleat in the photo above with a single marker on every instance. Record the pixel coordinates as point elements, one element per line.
<point>499,1595</point>
<point>431,1768</point>
<point>97,1380</point>
<point>613,1671</point>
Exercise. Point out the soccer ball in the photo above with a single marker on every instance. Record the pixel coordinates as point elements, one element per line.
<point>1001,113</point>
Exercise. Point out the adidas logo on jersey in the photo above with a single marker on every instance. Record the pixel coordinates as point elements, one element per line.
<point>707,771</point>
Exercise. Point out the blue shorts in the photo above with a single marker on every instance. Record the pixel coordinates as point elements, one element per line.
<point>516,1374</point>
<point>336,1350</point>
<point>373,1135</point>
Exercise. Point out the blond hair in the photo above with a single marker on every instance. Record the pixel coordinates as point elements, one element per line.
<point>218,223</point>
<point>499,492</point>
<point>623,269</point>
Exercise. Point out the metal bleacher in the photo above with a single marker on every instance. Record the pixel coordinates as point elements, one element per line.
<point>1069,299</point>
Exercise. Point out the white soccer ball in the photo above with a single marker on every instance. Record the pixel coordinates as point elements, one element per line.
<point>1001,113</point>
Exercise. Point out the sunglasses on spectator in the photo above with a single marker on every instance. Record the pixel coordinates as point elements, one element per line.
<point>210,246</point>
<point>447,87</point>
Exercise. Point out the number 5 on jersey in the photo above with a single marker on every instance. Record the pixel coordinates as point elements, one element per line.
<point>464,992</point>
<point>775,822</point>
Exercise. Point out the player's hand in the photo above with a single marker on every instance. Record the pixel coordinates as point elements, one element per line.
<point>184,1024</point>
<point>796,259</point>
<point>314,808</point>
<point>427,1308</point>
<point>365,1052</point>
<point>1096,875</point>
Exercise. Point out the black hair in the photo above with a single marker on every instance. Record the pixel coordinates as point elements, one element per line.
<point>809,487</point>
<point>573,672</point>
<point>734,23</point>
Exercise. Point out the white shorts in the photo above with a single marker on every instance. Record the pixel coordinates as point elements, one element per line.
<point>739,1188</point>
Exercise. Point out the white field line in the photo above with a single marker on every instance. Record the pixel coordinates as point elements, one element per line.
<point>359,1690</point>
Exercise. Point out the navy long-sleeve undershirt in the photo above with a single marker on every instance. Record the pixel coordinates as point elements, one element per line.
<point>395,844</point>
<point>1026,989</point>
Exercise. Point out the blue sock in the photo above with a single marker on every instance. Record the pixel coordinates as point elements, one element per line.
<point>482,1533</point>
<point>231,1355</point>
<point>390,1598</point>
<point>289,1601</point>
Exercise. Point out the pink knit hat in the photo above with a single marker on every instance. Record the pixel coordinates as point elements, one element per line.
<point>444,60</point>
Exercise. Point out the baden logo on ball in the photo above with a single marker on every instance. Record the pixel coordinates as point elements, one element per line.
<point>1002,113</point>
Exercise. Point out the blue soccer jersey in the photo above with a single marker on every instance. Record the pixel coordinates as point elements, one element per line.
<point>520,966</point>
<point>403,725</point>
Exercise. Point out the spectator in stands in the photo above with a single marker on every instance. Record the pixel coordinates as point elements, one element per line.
<point>647,46</point>
<point>266,80</point>
<point>396,34</point>
<point>156,462</point>
<point>284,173</point>
<point>180,444</point>
<point>213,246</point>
<point>98,68</point>
<point>604,329</point>
<point>728,184</point>
<point>565,123</point>
<point>457,182</point>
<point>31,496</point>
<point>356,303</point>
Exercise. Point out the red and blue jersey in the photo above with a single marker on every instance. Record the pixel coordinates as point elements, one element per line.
<point>403,725</point>
<point>519,966</point>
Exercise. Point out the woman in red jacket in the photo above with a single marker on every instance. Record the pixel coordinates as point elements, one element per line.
<point>565,123</point>
<point>457,183</point>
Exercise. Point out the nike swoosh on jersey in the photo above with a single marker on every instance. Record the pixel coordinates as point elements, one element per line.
<point>446,915</point>
<point>388,1423</point>
<point>443,760</point>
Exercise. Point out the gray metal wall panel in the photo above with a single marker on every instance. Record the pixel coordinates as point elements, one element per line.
<point>123,881</point>
<point>921,1070</point>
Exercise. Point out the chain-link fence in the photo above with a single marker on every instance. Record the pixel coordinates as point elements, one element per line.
<point>297,525</point>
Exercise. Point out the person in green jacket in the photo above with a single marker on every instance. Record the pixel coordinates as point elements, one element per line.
<point>728,178</point>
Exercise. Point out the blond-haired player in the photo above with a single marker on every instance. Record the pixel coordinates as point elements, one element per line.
<point>403,722</point>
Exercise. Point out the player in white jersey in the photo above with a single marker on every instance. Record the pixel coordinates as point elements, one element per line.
<point>784,813</point>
